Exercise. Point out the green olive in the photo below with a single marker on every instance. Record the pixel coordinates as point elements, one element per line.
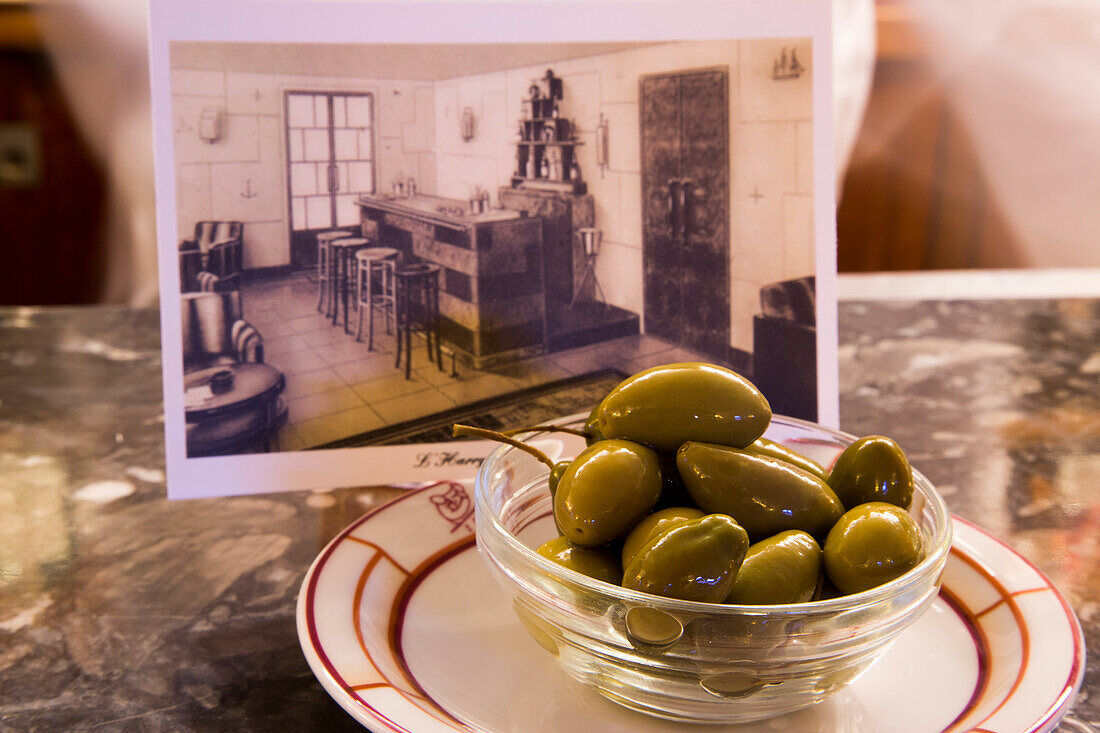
<point>607,489</point>
<point>765,495</point>
<point>591,429</point>
<point>654,522</point>
<point>781,569</point>
<point>593,563</point>
<point>695,560</point>
<point>668,405</point>
<point>873,468</point>
<point>872,544</point>
<point>555,475</point>
<point>765,447</point>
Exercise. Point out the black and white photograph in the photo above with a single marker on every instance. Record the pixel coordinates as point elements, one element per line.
<point>378,240</point>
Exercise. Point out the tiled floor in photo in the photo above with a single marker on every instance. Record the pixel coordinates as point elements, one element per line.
<point>336,387</point>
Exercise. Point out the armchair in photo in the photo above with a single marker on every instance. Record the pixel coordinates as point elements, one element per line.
<point>191,261</point>
<point>232,399</point>
<point>216,248</point>
<point>225,262</point>
<point>214,333</point>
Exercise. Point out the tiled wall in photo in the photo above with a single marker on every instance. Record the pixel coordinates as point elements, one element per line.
<point>417,134</point>
<point>243,175</point>
<point>771,161</point>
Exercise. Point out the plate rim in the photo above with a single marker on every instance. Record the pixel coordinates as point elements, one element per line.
<point>330,679</point>
<point>1065,698</point>
<point>319,663</point>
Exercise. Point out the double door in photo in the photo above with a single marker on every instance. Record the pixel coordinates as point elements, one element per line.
<point>330,163</point>
<point>685,208</point>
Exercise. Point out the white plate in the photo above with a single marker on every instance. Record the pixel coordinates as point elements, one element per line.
<point>408,632</point>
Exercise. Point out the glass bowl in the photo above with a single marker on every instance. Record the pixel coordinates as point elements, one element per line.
<point>686,660</point>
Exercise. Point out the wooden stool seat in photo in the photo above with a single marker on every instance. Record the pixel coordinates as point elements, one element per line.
<point>373,295</point>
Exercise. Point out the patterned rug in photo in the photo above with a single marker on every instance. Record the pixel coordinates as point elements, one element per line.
<point>531,406</point>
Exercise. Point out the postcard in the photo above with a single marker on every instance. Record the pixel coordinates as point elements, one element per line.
<point>379,219</point>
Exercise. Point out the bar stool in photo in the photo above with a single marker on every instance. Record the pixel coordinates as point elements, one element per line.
<point>416,308</point>
<point>342,257</point>
<point>375,293</point>
<point>324,265</point>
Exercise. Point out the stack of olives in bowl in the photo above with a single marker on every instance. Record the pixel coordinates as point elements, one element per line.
<point>701,559</point>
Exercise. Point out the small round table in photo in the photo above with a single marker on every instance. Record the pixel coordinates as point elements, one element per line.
<point>232,408</point>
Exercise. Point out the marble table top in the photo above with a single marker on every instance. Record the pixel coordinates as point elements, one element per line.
<point>122,611</point>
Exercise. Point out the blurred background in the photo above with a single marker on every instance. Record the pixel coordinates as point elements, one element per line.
<point>969,139</point>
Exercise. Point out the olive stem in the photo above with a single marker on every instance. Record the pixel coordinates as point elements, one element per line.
<point>546,429</point>
<point>458,430</point>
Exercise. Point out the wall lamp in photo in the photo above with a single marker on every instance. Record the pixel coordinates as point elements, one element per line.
<point>602,141</point>
<point>211,124</point>
<point>466,124</point>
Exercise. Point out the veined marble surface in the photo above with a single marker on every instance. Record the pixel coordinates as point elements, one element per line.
<point>122,611</point>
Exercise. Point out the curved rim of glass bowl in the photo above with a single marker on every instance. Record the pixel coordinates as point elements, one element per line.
<point>935,559</point>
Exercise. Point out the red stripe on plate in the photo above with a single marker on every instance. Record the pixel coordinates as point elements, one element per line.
<point>397,616</point>
<point>981,644</point>
<point>1076,672</point>
<point>311,595</point>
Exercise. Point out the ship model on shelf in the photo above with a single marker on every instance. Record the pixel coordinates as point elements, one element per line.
<point>546,155</point>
